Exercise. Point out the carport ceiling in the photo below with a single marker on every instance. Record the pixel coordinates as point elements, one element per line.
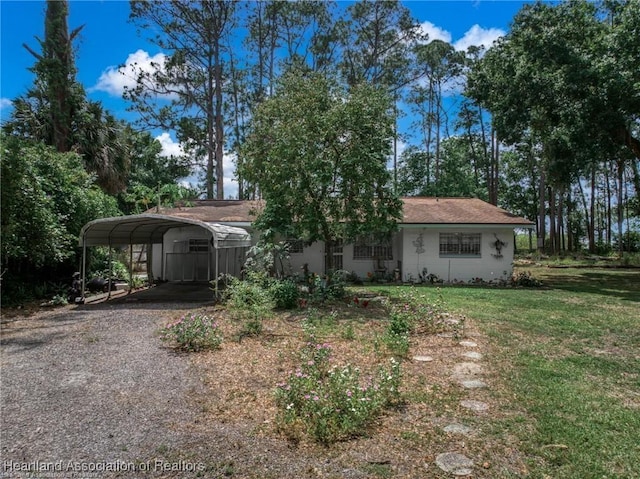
<point>148,228</point>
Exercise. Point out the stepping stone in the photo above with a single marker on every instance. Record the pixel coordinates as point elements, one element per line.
<point>473,384</point>
<point>454,463</point>
<point>472,355</point>
<point>423,359</point>
<point>477,406</point>
<point>456,428</point>
<point>468,344</point>
<point>466,370</point>
<point>445,335</point>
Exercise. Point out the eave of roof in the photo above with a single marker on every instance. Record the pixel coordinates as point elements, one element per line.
<point>416,211</point>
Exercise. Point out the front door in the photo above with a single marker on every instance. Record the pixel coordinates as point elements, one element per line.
<point>336,248</point>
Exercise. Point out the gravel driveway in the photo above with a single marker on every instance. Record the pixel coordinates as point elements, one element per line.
<point>93,386</point>
<point>91,392</point>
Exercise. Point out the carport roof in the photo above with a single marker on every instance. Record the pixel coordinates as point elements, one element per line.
<point>148,228</point>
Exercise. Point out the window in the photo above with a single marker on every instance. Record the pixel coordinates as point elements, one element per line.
<point>198,245</point>
<point>367,247</point>
<point>295,246</point>
<point>460,244</point>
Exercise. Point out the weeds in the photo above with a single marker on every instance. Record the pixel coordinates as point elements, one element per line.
<point>193,332</point>
<point>331,403</point>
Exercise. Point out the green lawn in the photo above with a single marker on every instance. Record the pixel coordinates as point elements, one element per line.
<point>569,359</point>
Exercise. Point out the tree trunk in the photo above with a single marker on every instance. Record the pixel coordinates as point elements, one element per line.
<point>608,207</point>
<point>560,217</point>
<point>553,241</point>
<point>592,209</point>
<point>620,205</point>
<point>219,125</point>
<point>588,222</point>
<point>542,216</point>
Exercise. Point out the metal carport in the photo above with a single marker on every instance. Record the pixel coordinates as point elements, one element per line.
<point>149,228</point>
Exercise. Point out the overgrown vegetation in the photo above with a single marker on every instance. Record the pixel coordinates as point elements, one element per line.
<point>193,332</point>
<point>329,402</point>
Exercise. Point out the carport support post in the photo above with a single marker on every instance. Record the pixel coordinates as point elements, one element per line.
<point>130,266</point>
<point>216,279</point>
<point>110,269</point>
<point>84,264</point>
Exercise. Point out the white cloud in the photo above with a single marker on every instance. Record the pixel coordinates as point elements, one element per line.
<point>169,147</point>
<point>434,32</point>
<point>230,183</point>
<point>114,79</point>
<point>5,105</point>
<point>478,36</point>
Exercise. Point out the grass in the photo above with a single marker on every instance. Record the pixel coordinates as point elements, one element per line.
<point>562,363</point>
<point>569,365</point>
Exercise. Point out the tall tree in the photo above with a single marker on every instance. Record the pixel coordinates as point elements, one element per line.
<point>563,76</point>
<point>190,83</point>
<point>438,64</point>
<point>55,109</point>
<point>318,156</point>
<point>55,71</point>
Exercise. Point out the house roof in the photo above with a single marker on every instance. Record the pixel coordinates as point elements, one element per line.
<point>217,211</point>
<point>416,211</point>
<point>465,211</point>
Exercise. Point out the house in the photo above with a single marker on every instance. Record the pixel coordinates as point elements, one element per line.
<point>439,239</point>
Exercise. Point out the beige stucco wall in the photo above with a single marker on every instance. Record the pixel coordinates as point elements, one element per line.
<point>451,269</point>
<point>405,257</point>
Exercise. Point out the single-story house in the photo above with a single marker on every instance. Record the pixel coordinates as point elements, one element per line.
<point>438,239</point>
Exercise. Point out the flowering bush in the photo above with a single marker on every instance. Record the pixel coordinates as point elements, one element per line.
<point>416,314</point>
<point>193,332</point>
<point>333,403</point>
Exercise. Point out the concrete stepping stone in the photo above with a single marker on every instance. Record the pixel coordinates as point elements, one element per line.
<point>456,428</point>
<point>423,359</point>
<point>472,355</point>
<point>468,344</point>
<point>454,463</point>
<point>466,370</point>
<point>476,406</point>
<point>473,384</point>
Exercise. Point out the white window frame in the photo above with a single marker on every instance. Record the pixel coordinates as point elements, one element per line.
<point>367,248</point>
<point>296,246</point>
<point>460,245</point>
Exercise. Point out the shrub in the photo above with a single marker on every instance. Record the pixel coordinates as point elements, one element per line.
<point>397,334</point>
<point>193,332</point>
<point>249,298</point>
<point>333,404</point>
<point>524,279</point>
<point>249,301</point>
<point>285,294</point>
<point>416,313</point>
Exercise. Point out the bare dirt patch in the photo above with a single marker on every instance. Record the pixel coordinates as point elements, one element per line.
<point>240,380</point>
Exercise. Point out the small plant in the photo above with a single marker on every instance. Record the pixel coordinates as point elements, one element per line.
<point>331,403</point>
<point>250,301</point>
<point>59,300</point>
<point>193,332</point>
<point>397,334</point>
<point>348,333</point>
<point>524,279</point>
<point>419,314</point>
<point>285,294</point>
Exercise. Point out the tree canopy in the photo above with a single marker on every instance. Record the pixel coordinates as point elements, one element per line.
<point>318,156</point>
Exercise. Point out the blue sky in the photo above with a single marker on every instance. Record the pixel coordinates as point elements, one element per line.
<point>108,40</point>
